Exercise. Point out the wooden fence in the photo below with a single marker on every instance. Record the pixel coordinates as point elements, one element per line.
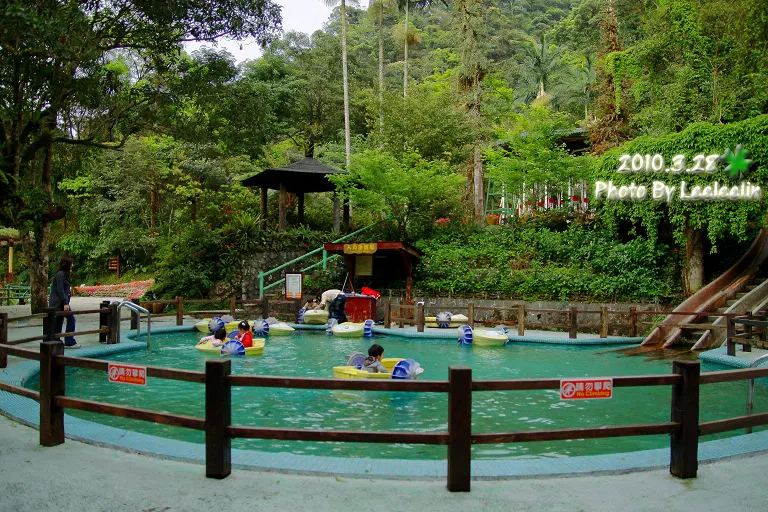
<point>684,426</point>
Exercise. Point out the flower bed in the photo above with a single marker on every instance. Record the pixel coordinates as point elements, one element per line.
<point>132,290</point>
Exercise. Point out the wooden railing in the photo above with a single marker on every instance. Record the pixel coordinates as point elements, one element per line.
<point>684,426</point>
<point>415,314</point>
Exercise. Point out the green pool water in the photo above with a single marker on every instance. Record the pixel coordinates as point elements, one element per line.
<point>313,354</point>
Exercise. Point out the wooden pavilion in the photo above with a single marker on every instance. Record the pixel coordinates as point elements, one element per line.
<point>305,176</point>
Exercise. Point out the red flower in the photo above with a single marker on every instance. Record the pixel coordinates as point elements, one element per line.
<point>575,198</point>
<point>540,203</point>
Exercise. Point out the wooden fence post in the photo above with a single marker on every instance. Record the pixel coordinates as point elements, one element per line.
<point>51,386</point>
<point>747,347</point>
<point>633,321</point>
<point>134,315</point>
<point>218,417</point>
<point>572,322</point>
<point>179,311</point>
<point>387,314</point>
<point>265,307</point>
<point>521,320</point>
<point>730,346</point>
<point>471,315</point>
<point>459,428</point>
<point>420,317</point>
<point>113,322</point>
<point>3,338</point>
<point>49,325</point>
<point>401,316</point>
<point>684,442</point>
<point>232,305</point>
<point>603,321</point>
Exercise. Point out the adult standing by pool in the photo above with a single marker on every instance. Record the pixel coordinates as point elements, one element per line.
<point>59,299</point>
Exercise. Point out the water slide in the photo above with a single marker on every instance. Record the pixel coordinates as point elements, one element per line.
<point>713,297</point>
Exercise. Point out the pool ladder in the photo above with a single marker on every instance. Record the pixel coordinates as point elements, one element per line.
<point>138,310</point>
<point>751,389</point>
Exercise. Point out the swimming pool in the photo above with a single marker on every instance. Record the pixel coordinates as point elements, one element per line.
<point>312,354</point>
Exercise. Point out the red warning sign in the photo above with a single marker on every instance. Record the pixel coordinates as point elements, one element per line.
<point>580,389</point>
<point>127,374</point>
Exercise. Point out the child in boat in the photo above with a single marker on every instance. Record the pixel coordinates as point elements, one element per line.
<point>217,338</point>
<point>373,361</point>
<point>245,337</point>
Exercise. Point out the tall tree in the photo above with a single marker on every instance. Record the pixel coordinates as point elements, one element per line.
<point>378,7</point>
<point>471,75</point>
<point>345,74</point>
<point>63,84</point>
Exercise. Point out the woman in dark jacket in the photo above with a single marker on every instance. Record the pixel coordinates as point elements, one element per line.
<point>59,299</point>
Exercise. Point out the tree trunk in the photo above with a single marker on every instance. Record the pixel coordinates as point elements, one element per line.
<point>36,248</point>
<point>478,184</point>
<point>381,69</point>
<point>347,136</point>
<point>405,53</point>
<point>693,267</point>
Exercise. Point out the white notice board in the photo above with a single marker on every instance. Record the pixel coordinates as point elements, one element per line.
<point>293,283</point>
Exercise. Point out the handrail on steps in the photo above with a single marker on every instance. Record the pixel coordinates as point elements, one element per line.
<point>323,262</point>
<point>137,309</point>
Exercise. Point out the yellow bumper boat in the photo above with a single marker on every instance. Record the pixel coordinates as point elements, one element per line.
<point>398,369</point>
<point>256,350</point>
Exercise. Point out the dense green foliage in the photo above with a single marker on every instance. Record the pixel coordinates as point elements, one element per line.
<point>531,261</point>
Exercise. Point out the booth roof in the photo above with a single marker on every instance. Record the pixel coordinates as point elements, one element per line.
<point>307,175</point>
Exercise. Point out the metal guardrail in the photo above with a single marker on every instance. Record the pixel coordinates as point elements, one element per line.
<point>324,262</point>
<point>137,309</point>
<point>11,292</point>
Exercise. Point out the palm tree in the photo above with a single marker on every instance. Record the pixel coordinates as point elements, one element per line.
<point>543,60</point>
<point>411,37</point>
<point>345,75</point>
<point>378,7</point>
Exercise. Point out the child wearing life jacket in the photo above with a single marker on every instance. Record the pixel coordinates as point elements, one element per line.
<point>245,337</point>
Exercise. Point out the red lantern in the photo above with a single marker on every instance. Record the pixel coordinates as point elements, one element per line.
<point>575,198</point>
<point>540,203</point>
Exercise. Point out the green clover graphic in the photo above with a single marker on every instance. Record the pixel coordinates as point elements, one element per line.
<point>738,164</point>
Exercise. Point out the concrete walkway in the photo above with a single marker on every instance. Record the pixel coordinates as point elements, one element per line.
<point>80,477</point>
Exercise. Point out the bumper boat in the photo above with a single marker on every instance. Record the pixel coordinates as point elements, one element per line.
<point>442,322</point>
<point>398,369</point>
<point>483,337</point>
<point>256,350</point>
<point>280,329</point>
<point>348,330</point>
<point>315,317</point>
<point>211,325</point>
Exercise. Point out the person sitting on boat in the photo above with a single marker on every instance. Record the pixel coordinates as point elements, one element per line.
<point>326,298</point>
<point>245,337</point>
<point>216,339</point>
<point>373,363</point>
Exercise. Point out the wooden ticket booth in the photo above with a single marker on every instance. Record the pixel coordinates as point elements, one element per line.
<point>374,264</point>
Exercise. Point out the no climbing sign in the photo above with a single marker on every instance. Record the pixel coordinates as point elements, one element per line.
<point>127,374</point>
<point>580,389</point>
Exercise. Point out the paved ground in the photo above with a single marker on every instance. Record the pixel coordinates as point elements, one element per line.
<point>79,477</point>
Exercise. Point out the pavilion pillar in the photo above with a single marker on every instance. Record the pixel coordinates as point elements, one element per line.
<point>301,207</point>
<point>264,191</point>
<point>408,277</point>
<point>345,220</point>
<point>10,261</point>
<point>281,215</point>
<point>336,216</point>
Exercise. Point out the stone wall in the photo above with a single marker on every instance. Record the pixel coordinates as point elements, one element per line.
<point>263,261</point>
<point>618,316</point>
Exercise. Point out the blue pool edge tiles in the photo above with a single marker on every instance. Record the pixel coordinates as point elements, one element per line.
<point>26,411</point>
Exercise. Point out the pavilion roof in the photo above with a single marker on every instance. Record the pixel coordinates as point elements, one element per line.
<point>307,175</point>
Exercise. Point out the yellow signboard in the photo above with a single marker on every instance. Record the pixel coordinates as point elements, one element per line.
<point>367,248</point>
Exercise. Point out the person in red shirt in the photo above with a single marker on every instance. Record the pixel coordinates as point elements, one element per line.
<point>245,337</point>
